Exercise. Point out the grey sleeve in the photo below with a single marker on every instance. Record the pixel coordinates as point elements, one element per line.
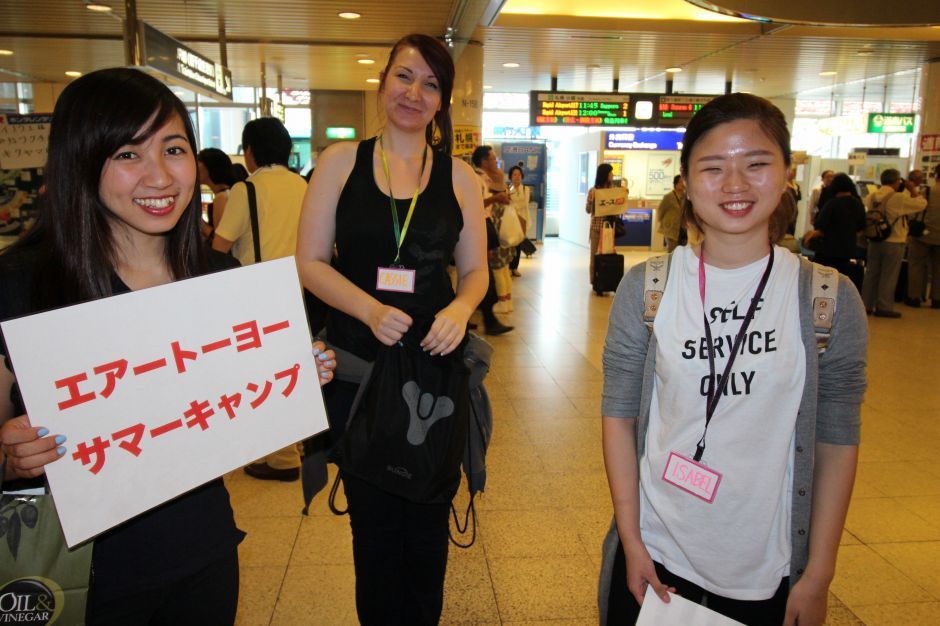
<point>842,379</point>
<point>625,348</point>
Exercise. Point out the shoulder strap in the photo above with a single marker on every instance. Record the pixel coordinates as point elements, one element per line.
<point>253,214</point>
<point>825,294</point>
<point>654,284</point>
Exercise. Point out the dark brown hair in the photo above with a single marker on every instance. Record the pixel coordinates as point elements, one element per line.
<point>730,108</point>
<point>440,131</point>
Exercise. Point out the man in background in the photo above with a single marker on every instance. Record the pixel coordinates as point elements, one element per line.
<point>279,196</point>
<point>669,213</point>
<point>923,253</point>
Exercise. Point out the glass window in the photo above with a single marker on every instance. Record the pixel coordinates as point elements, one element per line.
<point>7,90</point>
<point>297,121</point>
<point>244,95</point>
<point>221,127</point>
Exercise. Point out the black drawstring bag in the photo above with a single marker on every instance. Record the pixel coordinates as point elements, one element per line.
<point>407,429</point>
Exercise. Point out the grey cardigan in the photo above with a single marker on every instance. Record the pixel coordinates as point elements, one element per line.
<point>829,410</point>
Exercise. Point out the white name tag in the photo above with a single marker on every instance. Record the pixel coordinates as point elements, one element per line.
<point>395,279</point>
<point>702,482</point>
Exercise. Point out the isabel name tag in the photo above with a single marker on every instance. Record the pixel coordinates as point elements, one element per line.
<point>395,279</point>
<point>690,476</point>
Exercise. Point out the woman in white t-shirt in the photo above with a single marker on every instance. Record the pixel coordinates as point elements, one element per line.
<point>519,196</point>
<point>733,441</point>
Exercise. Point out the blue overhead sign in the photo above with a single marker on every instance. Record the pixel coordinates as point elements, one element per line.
<point>645,140</point>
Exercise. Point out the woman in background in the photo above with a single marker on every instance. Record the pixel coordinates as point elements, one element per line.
<point>519,197</point>
<point>603,179</point>
<point>215,172</point>
<point>840,221</point>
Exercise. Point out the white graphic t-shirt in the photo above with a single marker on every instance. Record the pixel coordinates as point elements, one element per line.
<point>738,545</point>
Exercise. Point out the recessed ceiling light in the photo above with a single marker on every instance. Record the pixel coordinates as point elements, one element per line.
<point>372,81</point>
<point>487,86</point>
<point>100,8</point>
<point>6,53</point>
<point>510,65</point>
<point>828,73</point>
<point>365,61</point>
<point>73,74</point>
<point>673,70</point>
<point>349,15</point>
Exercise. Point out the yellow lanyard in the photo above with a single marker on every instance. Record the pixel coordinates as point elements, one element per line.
<point>401,232</point>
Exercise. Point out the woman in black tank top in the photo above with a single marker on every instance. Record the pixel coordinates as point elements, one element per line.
<point>397,210</point>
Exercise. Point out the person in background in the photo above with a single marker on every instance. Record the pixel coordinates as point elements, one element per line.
<point>279,195</point>
<point>755,533</point>
<point>669,213</point>
<point>358,192</point>
<point>215,172</point>
<point>923,253</point>
<point>840,221</point>
<point>484,159</point>
<point>793,189</point>
<point>898,198</point>
<point>519,198</point>
<point>121,213</point>
<point>815,202</point>
<point>603,179</point>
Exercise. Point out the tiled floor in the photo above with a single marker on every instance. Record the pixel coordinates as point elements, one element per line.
<point>546,505</point>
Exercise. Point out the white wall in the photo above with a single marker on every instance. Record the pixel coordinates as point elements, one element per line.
<point>573,223</point>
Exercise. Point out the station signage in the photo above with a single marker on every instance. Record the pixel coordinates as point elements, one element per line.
<point>340,132</point>
<point>891,122</point>
<point>644,140</point>
<point>569,108</point>
<point>168,56</point>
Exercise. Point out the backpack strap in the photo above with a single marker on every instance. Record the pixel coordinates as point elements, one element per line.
<point>825,294</point>
<point>253,214</point>
<point>654,284</point>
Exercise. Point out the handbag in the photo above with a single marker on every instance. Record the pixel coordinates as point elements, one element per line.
<point>41,579</point>
<point>408,426</point>
<point>510,229</point>
<point>619,229</point>
<point>916,226</point>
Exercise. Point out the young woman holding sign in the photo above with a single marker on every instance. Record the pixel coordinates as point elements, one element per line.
<point>397,208</point>
<point>730,444</point>
<point>121,212</point>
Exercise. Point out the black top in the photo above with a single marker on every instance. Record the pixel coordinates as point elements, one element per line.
<point>365,241</point>
<point>840,219</point>
<point>167,543</point>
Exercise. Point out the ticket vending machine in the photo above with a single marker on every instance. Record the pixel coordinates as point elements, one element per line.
<point>531,157</point>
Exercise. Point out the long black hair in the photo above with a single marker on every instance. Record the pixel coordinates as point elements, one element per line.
<point>94,116</point>
<point>440,131</point>
<point>602,175</point>
<point>218,165</point>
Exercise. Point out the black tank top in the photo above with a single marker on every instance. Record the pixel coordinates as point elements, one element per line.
<point>365,241</point>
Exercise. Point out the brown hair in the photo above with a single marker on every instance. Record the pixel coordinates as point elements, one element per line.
<point>440,131</point>
<point>730,108</point>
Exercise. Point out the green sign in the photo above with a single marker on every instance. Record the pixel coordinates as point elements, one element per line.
<point>891,122</point>
<point>340,132</point>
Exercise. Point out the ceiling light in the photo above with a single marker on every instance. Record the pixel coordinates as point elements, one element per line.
<point>487,86</point>
<point>365,61</point>
<point>673,70</point>
<point>510,65</point>
<point>100,8</point>
<point>349,15</point>
<point>828,73</point>
<point>6,53</point>
<point>372,81</point>
<point>73,74</point>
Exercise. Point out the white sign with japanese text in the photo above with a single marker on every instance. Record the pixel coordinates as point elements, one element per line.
<point>161,390</point>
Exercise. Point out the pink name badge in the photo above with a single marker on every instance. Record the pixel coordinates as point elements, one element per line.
<point>690,476</point>
<point>395,279</point>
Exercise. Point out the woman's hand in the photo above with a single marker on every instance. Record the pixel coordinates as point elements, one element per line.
<point>28,449</point>
<point>389,324</point>
<point>326,362</point>
<point>807,603</point>
<point>448,329</point>
<point>641,573</point>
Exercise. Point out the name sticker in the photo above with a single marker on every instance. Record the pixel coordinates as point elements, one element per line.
<point>692,477</point>
<point>395,279</point>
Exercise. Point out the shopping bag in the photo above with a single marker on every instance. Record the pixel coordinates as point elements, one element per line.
<point>605,241</point>
<point>510,229</point>
<point>42,581</point>
<point>408,426</point>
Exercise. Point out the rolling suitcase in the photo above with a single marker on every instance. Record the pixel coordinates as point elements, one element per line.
<point>608,270</point>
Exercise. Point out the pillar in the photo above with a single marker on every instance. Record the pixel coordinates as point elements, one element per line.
<point>927,148</point>
<point>466,109</point>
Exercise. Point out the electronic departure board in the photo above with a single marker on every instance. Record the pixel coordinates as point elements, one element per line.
<point>680,108</point>
<point>569,108</point>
